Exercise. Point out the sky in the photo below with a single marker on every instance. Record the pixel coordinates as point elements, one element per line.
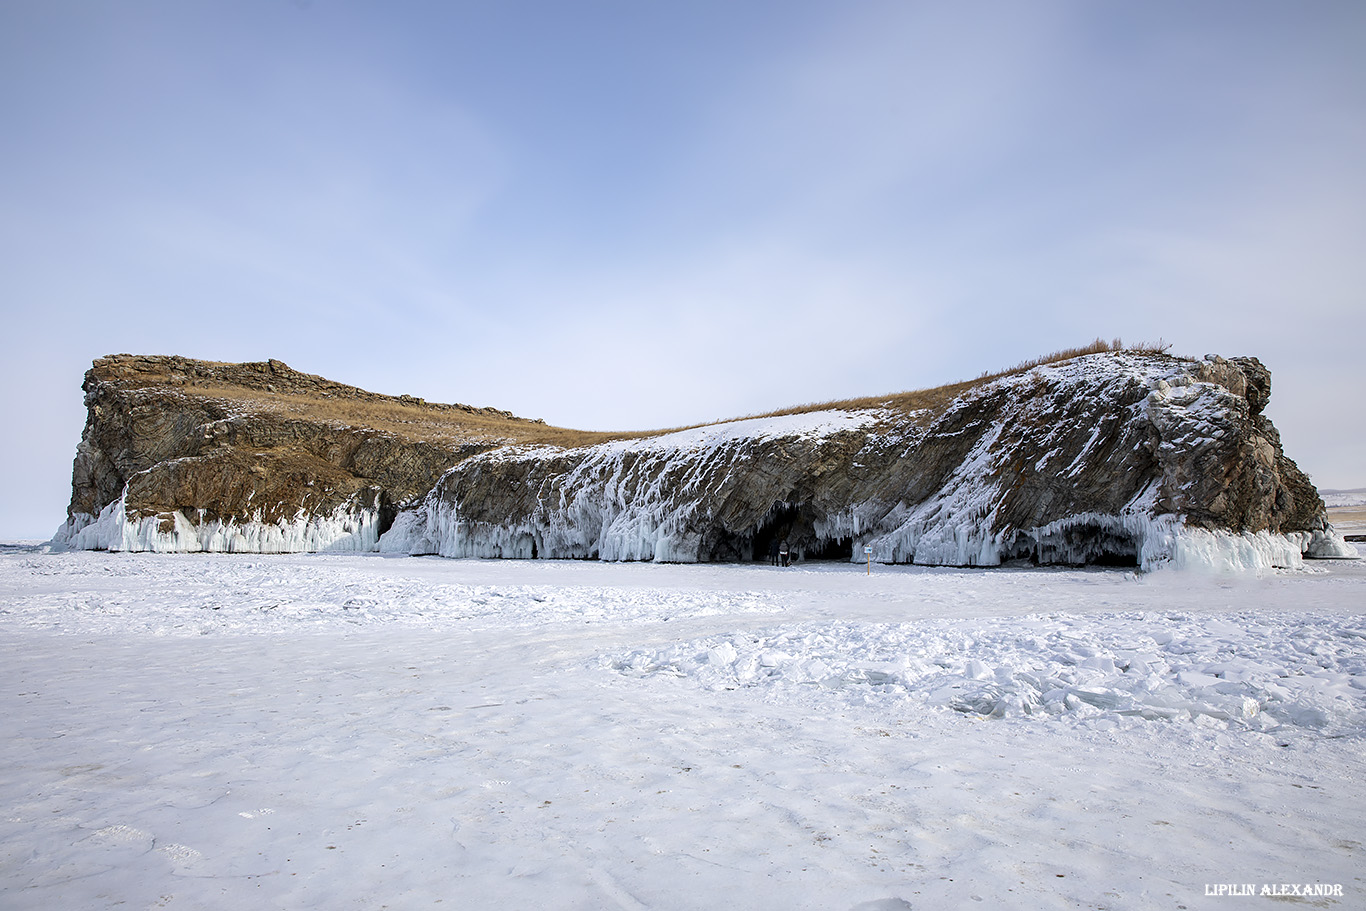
<point>623,215</point>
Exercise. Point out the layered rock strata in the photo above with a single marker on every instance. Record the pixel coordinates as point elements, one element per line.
<point>1129,458</point>
<point>185,455</point>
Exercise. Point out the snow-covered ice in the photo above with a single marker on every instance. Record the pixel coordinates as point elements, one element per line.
<point>361,731</point>
<point>1334,498</point>
<point>1346,510</point>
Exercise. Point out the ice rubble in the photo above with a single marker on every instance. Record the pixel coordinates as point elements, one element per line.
<point>349,528</point>
<point>1256,671</point>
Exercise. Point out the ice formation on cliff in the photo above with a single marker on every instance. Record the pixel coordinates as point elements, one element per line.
<point>350,528</point>
<point>627,500</point>
<point>654,499</point>
<point>1128,458</point>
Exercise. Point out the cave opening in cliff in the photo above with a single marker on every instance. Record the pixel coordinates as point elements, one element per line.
<point>1124,560</point>
<point>759,543</point>
<point>775,528</point>
<point>785,522</point>
<point>388,512</point>
<point>830,549</point>
<point>1082,544</point>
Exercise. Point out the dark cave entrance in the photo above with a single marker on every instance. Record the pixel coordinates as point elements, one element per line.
<point>794,524</point>
<point>388,512</point>
<point>775,528</point>
<point>1124,560</point>
<point>841,549</point>
<point>1083,544</point>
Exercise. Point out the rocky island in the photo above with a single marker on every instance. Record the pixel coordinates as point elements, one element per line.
<point>1127,457</point>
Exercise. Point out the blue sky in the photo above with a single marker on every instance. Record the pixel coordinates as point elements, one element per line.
<point>624,215</point>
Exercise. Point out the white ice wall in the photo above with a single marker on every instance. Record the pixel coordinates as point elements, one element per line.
<point>348,528</point>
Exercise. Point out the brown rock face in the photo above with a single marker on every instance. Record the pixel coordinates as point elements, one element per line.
<point>236,444</point>
<point>1110,457</point>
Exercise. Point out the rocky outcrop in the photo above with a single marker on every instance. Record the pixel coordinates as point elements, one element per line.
<point>1118,457</point>
<point>180,454</point>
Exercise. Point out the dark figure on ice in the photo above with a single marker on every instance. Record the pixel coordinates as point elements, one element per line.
<point>783,554</point>
<point>773,552</point>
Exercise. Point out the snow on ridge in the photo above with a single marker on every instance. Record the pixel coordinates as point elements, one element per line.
<point>808,425</point>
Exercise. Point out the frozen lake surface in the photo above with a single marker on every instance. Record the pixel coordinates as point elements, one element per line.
<point>311,731</point>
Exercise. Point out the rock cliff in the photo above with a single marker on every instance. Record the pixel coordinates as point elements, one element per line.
<point>1118,457</point>
<point>179,454</point>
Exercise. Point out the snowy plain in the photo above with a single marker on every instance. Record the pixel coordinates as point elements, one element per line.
<point>1354,497</point>
<point>364,731</point>
<point>1346,510</point>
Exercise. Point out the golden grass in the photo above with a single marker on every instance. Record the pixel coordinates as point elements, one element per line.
<point>936,399</point>
<point>409,420</point>
<point>1096,347</point>
<point>454,425</point>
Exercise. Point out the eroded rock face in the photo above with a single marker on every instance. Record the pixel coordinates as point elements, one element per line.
<point>180,454</point>
<point>1115,457</point>
<point>1127,458</point>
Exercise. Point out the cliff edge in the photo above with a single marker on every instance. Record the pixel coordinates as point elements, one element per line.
<point>1133,458</point>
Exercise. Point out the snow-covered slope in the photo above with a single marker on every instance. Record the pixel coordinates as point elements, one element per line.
<point>1119,457</point>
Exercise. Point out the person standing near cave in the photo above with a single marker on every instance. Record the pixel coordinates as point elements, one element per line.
<point>783,554</point>
<point>773,552</point>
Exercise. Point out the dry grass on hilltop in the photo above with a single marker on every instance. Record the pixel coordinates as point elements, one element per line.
<point>933,400</point>
<point>409,420</point>
<point>415,419</point>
